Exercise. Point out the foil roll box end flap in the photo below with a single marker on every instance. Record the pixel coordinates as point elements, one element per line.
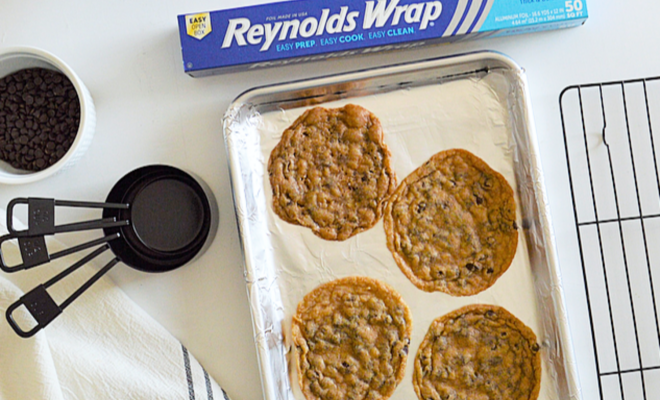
<point>287,261</point>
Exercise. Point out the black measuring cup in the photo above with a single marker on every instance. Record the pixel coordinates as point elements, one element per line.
<point>155,219</point>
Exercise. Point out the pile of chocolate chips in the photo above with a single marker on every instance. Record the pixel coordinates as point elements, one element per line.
<point>39,118</point>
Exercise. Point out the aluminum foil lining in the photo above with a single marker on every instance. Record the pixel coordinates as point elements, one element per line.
<point>477,102</point>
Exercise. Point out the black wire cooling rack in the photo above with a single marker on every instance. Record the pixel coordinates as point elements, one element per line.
<point>611,152</point>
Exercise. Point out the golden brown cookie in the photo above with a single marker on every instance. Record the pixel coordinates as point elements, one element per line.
<point>351,337</point>
<point>478,352</point>
<point>451,224</point>
<point>331,172</point>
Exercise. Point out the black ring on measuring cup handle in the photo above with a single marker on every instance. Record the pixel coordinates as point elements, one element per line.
<point>3,263</point>
<point>9,314</point>
<point>130,248</point>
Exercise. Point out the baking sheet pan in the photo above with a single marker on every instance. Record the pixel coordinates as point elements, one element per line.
<point>478,102</point>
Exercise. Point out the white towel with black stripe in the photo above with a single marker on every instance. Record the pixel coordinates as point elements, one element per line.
<point>102,347</point>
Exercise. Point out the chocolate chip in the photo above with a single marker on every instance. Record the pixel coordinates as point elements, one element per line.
<point>471,267</point>
<point>39,118</point>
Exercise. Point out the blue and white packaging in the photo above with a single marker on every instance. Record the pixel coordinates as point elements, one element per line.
<point>300,31</point>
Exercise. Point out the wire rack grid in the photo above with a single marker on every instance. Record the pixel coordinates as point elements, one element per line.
<point>615,189</point>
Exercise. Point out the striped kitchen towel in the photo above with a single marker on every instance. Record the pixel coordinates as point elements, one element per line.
<point>102,347</point>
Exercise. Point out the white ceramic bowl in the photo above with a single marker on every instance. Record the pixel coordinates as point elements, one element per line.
<point>13,59</point>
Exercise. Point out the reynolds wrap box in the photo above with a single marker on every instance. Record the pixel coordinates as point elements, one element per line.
<point>300,31</point>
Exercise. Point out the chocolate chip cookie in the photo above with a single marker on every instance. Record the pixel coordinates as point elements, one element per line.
<point>478,352</point>
<point>351,337</point>
<point>331,172</point>
<point>451,224</point>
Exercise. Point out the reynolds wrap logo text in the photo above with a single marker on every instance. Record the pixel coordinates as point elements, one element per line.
<point>377,15</point>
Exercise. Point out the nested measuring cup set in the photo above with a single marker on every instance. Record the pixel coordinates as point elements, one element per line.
<point>154,219</point>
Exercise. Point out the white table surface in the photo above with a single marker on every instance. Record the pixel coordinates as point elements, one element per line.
<point>149,111</point>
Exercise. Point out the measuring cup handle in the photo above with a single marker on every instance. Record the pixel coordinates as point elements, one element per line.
<point>41,216</point>
<point>34,251</point>
<point>41,305</point>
